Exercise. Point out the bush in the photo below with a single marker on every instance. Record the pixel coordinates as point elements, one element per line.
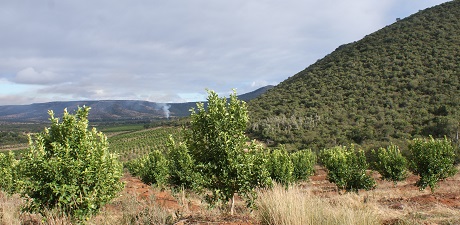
<point>303,162</point>
<point>151,168</point>
<point>69,168</point>
<point>280,166</point>
<point>347,168</point>
<point>432,160</point>
<point>217,144</point>
<point>8,174</point>
<point>391,164</point>
<point>182,169</point>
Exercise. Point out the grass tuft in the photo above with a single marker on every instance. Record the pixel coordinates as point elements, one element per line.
<point>294,206</point>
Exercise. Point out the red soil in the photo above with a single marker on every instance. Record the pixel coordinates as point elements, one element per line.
<point>407,194</point>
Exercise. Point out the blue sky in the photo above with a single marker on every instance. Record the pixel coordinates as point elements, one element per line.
<point>171,51</point>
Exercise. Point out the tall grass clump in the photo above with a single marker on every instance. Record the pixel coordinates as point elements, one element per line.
<point>294,206</point>
<point>10,208</point>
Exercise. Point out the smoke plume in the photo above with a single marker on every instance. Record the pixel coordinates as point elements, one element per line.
<point>165,108</point>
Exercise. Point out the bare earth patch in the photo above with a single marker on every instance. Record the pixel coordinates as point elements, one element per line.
<point>402,203</point>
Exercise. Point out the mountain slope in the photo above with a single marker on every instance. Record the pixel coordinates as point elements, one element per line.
<point>399,82</point>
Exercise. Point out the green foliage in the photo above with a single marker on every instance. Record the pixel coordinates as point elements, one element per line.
<point>397,83</point>
<point>391,164</point>
<point>217,143</point>
<point>347,168</point>
<point>182,169</point>
<point>151,168</point>
<point>303,162</point>
<point>432,160</point>
<point>132,145</point>
<point>8,173</point>
<point>280,166</point>
<point>12,137</point>
<point>69,168</point>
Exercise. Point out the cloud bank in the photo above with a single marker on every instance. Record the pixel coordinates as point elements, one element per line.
<point>170,51</point>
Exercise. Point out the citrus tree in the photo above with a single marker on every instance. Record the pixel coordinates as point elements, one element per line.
<point>217,144</point>
<point>69,168</point>
<point>182,169</point>
<point>433,160</point>
<point>303,162</point>
<point>151,168</point>
<point>280,166</point>
<point>391,164</point>
<point>347,168</point>
<point>8,172</point>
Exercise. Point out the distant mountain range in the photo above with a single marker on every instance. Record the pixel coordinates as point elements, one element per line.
<point>107,110</point>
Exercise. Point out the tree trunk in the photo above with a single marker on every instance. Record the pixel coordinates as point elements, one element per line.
<point>232,209</point>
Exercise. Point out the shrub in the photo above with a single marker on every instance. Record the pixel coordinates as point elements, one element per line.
<point>391,164</point>
<point>69,168</point>
<point>217,144</point>
<point>303,162</point>
<point>151,168</point>
<point>8,174</point>
<point>182,170</point>
<point>432,160</point>
<point>347,168</point>
<point>280,166</point>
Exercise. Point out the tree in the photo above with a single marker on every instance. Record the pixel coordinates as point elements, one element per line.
<point>432,160</point>
<point>391,164</point>
<point>69,168</point>
<point>8,172</point>
<point>304,162</point>
<point>217,143</point>
<point>182,169</point>
<point>281,167</point>
<point>347,168</point>
<point>151,168</point>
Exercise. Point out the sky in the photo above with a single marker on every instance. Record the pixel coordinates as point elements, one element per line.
<point>172,51</point>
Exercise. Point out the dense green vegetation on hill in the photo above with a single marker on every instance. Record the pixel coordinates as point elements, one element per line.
<point>400,82</point>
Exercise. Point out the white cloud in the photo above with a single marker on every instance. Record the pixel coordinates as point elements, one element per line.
<point>159,50</point>
<point>31,76</point>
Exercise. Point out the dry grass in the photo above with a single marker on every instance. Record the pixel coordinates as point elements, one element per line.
<point>295,206</point>
<point>9,209</point>
<point>126,209</point>
<point>129,209</point>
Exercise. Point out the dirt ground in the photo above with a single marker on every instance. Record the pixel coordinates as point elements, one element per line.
<point>400,202</point>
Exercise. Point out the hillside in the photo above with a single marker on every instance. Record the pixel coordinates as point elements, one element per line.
<point>400,82</point>
<point>107,110</point>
